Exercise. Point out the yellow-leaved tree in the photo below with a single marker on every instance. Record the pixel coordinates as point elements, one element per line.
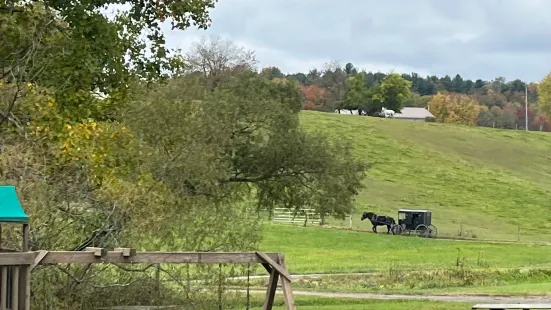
<point>544,95</point>
<point>455,108</point>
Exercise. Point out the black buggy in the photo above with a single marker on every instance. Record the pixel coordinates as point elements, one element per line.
<point>417,221</point>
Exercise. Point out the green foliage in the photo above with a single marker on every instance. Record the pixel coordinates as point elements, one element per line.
<point>104,154</point>
<point>359,96</point>
<point>248,126</point>
<point>393,92</point>
<point>77,52</point>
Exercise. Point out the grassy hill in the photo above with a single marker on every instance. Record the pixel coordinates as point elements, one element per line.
<point>489,182</point>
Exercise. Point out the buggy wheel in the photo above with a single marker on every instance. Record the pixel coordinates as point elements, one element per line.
<point>422,231</point>
<point>396,229</point>
<point>433,231</point>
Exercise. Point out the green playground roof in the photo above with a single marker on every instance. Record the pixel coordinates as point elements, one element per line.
<point>10,208</point>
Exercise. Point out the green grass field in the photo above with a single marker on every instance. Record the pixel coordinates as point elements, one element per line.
<point>490,182</point>
<point>311,303</point>
<point>481,183</point>
<point>325,250</point>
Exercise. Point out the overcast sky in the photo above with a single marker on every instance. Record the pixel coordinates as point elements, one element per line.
<point>475,38</point>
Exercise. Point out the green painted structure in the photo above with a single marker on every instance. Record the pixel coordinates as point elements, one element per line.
<point>10,207</point>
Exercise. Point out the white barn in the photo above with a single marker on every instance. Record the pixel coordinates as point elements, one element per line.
<point>413,114</point>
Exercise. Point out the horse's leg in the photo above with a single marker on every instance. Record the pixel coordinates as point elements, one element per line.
<point>388,229</point>
<point>375,228</point>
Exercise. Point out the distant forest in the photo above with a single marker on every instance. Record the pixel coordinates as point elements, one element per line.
<point>502,101</point>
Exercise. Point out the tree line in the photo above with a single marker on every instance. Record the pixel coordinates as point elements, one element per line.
<point>496,103</point>
<point>110,146</point>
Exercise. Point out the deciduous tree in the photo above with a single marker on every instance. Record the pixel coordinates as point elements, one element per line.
<point>454,108</point>
<point>215,57</point>
<point>314,98</point>
<point>358,96</point>
<point>544,95</point>
<point>393,91</point>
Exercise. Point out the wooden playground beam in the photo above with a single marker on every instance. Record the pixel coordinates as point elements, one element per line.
<point>16,258</point>
<point>273,262</point>
<point>121,257</point>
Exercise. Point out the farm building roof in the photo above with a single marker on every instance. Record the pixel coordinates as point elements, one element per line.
<point>411,112</point>
<point>413,210</point>
<point>10,208</point>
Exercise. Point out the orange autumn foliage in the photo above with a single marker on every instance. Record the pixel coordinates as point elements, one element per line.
<point>314,97</point>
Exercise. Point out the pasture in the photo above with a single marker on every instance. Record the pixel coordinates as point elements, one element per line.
<point>311,303</point>
<point>325,250</point>
<point>407,265</point>
<point>480,183</point>
<point>485,183</point>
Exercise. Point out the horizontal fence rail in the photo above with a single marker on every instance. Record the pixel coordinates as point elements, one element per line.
<point>282,215</point>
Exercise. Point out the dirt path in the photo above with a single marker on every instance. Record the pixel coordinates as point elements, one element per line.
<point>448,298</point>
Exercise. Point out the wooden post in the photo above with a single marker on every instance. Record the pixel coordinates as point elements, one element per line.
<point>4,289</point>
<point>15,288</point>
<point>271,290</point>
<point>25,275</point>
<point>286,287</point>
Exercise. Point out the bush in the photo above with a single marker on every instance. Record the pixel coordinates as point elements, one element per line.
<point>430,119</point>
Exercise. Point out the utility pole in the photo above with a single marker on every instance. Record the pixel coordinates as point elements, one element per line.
<point>526,107</point>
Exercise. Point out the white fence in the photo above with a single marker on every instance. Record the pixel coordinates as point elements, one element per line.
<point>308,216</point>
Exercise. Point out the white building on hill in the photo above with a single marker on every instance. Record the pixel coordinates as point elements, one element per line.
<point>413,114</point>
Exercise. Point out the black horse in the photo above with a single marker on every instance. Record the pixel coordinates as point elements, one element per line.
<point>379,220</point>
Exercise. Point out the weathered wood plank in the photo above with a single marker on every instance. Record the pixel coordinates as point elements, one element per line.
<point>38,258</point>
<point>126,252</point>
<point>62,257</point>
<point>4,289</point>
<point>286,287</point>
<point>512,306</point>
<point>27,276</point>
<point>98,252</point>
<point>275,265</point>
<point>16,258</point>
<point>271,290</point>
<point>267,267</point>
<point>15,288</point>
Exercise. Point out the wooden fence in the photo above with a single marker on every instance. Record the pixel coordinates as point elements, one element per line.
<point>306,216</point>
<point>16,294</point>
<point>287,216</point>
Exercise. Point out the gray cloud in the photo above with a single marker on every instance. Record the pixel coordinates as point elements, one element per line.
<point>477,39</point>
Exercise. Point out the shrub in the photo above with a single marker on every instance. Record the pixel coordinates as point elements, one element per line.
<point>430,119</point>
